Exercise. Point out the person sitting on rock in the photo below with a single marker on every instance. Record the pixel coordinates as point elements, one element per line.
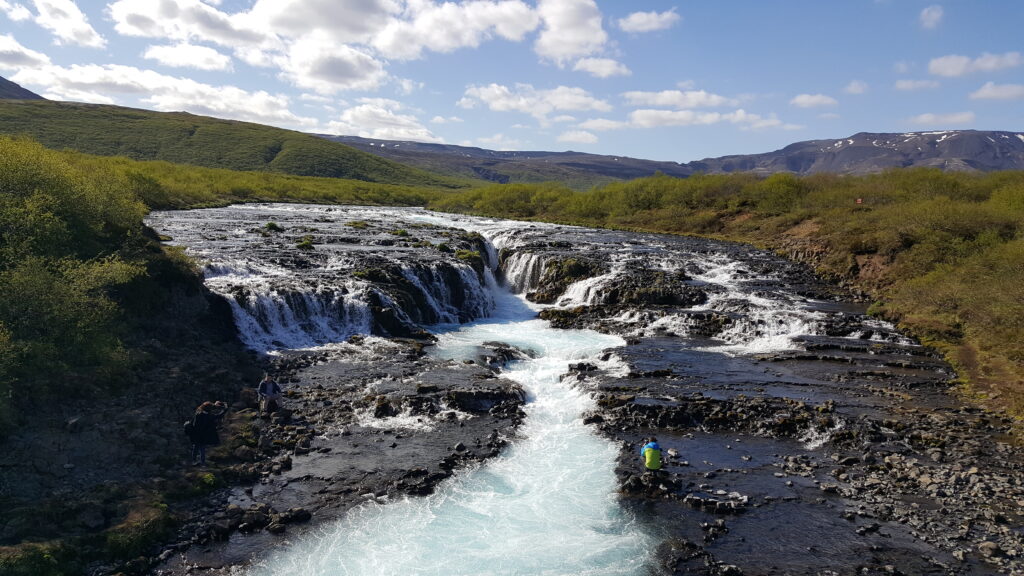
<point>204,429</point>
<point>650,453</point>
<point>269,392</point>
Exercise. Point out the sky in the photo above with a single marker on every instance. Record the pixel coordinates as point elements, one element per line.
<point>675,80</point>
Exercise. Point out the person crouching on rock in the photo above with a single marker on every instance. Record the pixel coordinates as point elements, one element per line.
<point>269,392</point>
<point>650,453</point>
<point>204,429</point>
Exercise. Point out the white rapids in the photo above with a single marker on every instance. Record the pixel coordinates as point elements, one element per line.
<point>547,505</point>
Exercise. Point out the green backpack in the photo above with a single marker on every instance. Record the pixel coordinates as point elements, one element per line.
<point>652,459</point>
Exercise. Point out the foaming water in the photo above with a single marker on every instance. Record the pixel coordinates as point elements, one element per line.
<point>547,505</point>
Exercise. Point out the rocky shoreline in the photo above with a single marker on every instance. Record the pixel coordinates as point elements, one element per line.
<point>350,431</point>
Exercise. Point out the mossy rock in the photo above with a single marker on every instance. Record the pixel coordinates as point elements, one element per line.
<point>47,559</point>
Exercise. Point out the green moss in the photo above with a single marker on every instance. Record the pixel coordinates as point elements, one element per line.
<point>468,255</point>
<point>143,529</point>
<point>273,227</point>
<point>51,559</point>
<point>306,243</point>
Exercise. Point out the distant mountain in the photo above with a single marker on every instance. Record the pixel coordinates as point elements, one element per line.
<point>576,169</point>
<point>867,152</point>
<point>201,141</point>
<point>11,91</point>
<point>862,153</point>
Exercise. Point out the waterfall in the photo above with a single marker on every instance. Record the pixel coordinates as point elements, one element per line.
<point>547,505</point>
<point>523,271</point>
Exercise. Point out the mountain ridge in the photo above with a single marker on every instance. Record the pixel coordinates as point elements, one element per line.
<point>14,91</point>
<point>861,153</point>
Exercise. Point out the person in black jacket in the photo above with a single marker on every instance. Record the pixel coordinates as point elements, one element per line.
<point>269,392</point>
<point>204,429</point>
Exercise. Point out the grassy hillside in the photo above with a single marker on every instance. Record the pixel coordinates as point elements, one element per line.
<point>184,138</point>
<point>941,253</point>
<point>71,236</point>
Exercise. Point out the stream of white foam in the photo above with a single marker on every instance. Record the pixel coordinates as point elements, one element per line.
<point>547,505</point>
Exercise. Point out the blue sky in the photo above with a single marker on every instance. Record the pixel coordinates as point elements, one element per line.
<point>666,80</point>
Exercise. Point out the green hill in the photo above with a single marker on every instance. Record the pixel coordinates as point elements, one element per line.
<point>184,138</point>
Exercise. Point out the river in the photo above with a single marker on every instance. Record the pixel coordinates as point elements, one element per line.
<point>749,369</point>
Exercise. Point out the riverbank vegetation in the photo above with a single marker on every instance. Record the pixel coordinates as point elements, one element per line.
<point>941,253</point>
<point>72,250</point>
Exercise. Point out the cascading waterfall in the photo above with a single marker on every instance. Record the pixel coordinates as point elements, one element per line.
<point>545,506</point>
<point>523,271</point>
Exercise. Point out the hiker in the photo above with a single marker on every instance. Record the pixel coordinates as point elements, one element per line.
<point>650,453</point>
<point>204,429</point>
<point>269,392</point>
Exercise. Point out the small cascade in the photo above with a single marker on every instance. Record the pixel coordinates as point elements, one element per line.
<point>763,320</point>
<point>523,271</point>
<point>360,277</point>
<point>590,291</point>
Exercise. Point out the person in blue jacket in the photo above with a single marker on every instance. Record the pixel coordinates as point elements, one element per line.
<point>650,453</point>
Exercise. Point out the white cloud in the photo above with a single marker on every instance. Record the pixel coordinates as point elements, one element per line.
<point>931,16</point>
<point>602,67</point>
<point>993,91</point>
<point>812,101</point>
<point>189,56</point>
<point>563,118</point>
<point>383,119</point>
<point>910,85</point>
<point>603,124</point>
<point>306,97</point>
<point>316,63</point>
<point>941,120</point>
<point>449,26</point>
<point>95,83</point>
<point>956,65</point>
<point>577,136</point>
<point>572,29</point>
<point>856,87</point>
<point>678,99</point>
<point>649,21</point>
<point>16,12</point>
<point>350,21</point>
<point>528,100</point>
<point>646,118</point>
<point>67,23</point>
<point>14,56</point>
<point>407,86</point>
<point>448,120</point>
<point>500,142</point>
<point>652,118</point>
<point>184,20</point>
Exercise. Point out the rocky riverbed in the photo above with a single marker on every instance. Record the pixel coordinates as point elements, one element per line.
<point>802,436</point>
